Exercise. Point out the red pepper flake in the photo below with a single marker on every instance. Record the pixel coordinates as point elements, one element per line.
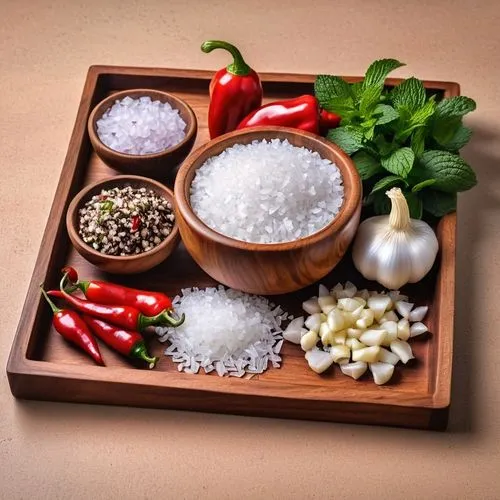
<point>136,223</point>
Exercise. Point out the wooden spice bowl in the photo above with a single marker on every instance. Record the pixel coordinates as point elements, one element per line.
<point>275,268</point>
<point>129,264</point>
<point>154,165</point>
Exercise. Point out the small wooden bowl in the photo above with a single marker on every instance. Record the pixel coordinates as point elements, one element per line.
<point>155,165</point>
<point>275,268</point>
<point>130,264</point>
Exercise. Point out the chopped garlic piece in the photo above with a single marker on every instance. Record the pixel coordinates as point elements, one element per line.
<point>382,372</point>
<point>368,354</point>
<point>309,340</point>
<point>319,360</point>
<point>402,349</point>
<point>417,329</point>
<point>340,354</point>
<point>354,370</point>
<point>418,314</point>
<point>404,308</point>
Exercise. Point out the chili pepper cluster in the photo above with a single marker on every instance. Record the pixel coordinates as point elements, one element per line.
<point>113,313</point>
<point>236,101</point>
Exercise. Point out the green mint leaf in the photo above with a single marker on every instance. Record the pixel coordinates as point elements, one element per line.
<point>357,91</point>
<point>327,87</point>
<point>387,183</point>
<point>422,185</point>
<point>367,165</point>
<point>410,93</point>
<point>341,106</point>
<point>369,99</point>
<point>369,123</point>
<point>417,120</point>
<point>415,205</point>
<point>455,106</point>
<point>421,115</point>
<point>385,114</point>
<point>384,147</point>
<point>404,114</point>
<point>414,120</point>
<point>368,128</point>
<point>369,134</point>
<point>418,142</point>
<point>451,172</point>
<point>378,71</point>
<point>438,203</point>
<point>348,139</point>
<point>444,128</point>
<point>400,162</point>
<point>457,141</point>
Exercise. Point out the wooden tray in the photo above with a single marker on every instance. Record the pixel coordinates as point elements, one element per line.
<point>42,366</point>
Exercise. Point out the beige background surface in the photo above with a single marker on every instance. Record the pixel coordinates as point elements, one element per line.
<point>82,452</point>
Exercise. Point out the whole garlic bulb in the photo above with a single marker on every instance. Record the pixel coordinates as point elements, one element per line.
<point>394,249</point>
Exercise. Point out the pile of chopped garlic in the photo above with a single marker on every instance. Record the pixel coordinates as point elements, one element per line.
<point>357,330</point>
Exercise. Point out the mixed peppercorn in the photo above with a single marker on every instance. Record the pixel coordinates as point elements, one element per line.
<point>125,221</point>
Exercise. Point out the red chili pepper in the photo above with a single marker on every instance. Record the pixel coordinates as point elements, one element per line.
<point>71,272</point>
<point>124,316</point>
<point>234,91</point>
<point>126,342</point>
<point>101,292</point>
<point>136,223</point>
<point>302,113</point>
<point>71,327</point>
<point>328,120</point>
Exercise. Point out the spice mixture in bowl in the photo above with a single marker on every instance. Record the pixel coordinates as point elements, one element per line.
<point>125,221</point>
<point>125,224</point>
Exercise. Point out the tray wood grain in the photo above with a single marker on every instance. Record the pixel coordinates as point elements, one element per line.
<point>43,366</point>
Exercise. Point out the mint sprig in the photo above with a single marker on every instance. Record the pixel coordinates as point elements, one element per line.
<point>401,137</point>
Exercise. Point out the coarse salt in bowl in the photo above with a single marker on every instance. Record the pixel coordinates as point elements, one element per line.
<point>141,126</point>
<point>267,191</point>
<point>143,131</point>
<point>287,260</point>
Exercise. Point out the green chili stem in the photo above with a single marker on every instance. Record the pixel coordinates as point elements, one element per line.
<point>139,351</point>
<point>83,286</point>
<point>54,308</point>
<point>238,66</point>
<point>160,319</point>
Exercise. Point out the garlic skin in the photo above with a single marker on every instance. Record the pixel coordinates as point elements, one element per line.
<point>394,249</point>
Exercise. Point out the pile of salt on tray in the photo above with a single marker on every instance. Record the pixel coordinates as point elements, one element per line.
<point>140,126</point>
<point>225,330</point>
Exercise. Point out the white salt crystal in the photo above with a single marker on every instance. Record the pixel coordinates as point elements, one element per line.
<point>291,191</point>
<point>225,330</point>
<point>140,126</point>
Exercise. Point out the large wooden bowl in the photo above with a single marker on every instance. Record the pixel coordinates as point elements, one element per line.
<point>156,165</point>
<point>116,264</point>
<point>276,268</point>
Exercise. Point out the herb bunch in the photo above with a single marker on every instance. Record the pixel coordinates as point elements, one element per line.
<point>401,137</point>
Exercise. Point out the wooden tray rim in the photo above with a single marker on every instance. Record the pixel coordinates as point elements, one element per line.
<point>19,364</point>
